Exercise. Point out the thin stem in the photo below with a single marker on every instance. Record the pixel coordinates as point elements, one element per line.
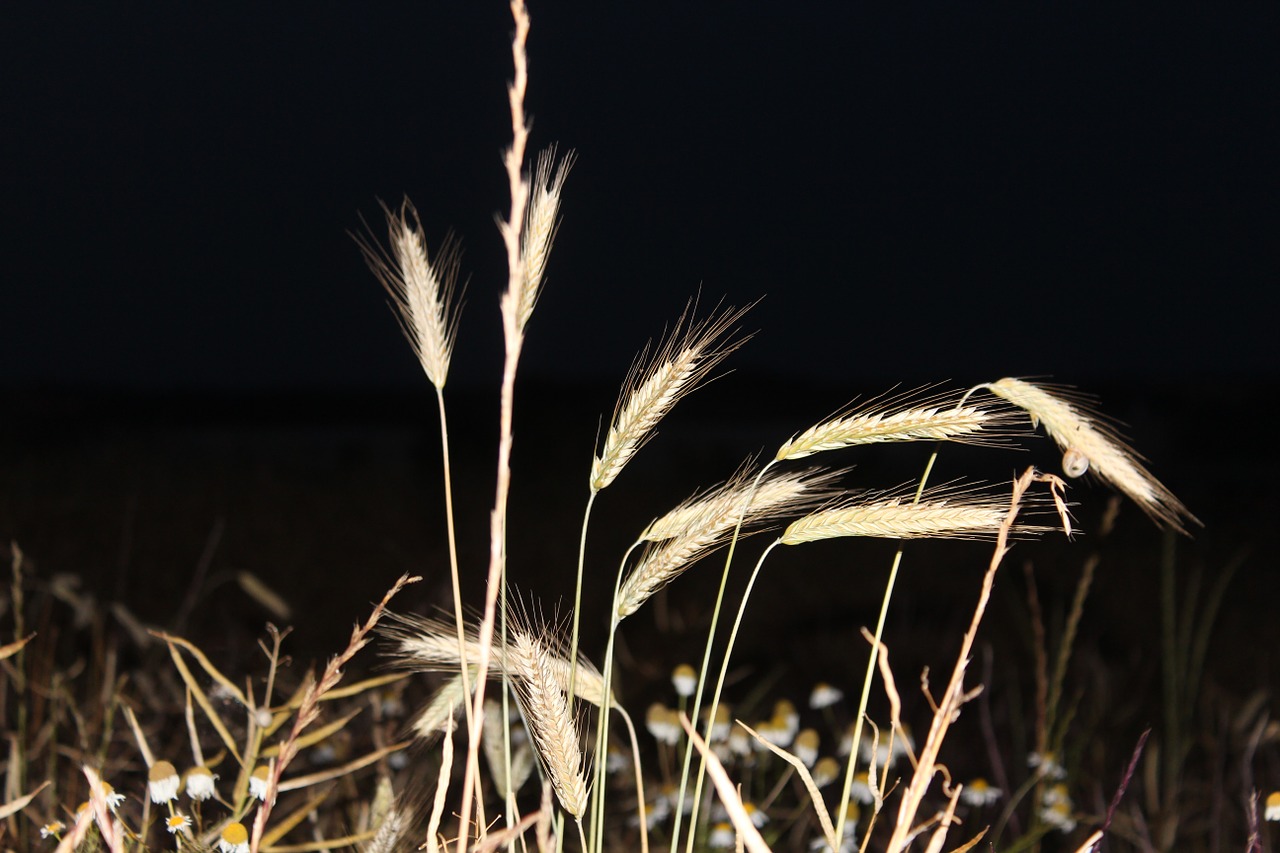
<point>702,681</point>
<point>453,553</point>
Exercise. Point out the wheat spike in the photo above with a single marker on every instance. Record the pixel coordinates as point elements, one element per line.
<point>442,707</point>
<point>432,644</point>
<point>541,224</point>
<point>707,523</point>
<point>422,291</point>
<point>899,518</point>
<point>1081,432</point>
<point>546,709</point>
<point>654,386</point>
<point>901,418</point>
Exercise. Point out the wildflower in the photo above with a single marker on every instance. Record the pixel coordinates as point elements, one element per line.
<point>824,695</point>
<point>55,828</point>
<point>722,725</point>
<point>1056,808</point>
<point>774,732</point>
<point>980,793</point>
<point>671,793</point>
<point>739,741</point>
<point>177,823</point>
<point>655,812</point>
<point>882,750</point>
<point>234,839</point>
<point>162,782</point>
<point>826,771</point>
<point>757,816</point>
<point>662,723</point>
<point>200,783</point>
<point>785,714</point>
<point>616,760</point>
<point>1047,764</point>
<point>1273,805</point>
<point>685,680</point>
<point>258,781</point>
<point>113,799</point>
<point>861,791</point>
<point>805,746</point>
<point>722,836</point>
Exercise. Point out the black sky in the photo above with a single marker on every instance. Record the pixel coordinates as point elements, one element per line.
<point>925,190</point>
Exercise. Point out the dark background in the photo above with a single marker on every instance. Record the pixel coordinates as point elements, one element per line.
<point>194,358</point>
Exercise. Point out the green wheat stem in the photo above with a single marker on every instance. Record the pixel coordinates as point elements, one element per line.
<point>702,676</point>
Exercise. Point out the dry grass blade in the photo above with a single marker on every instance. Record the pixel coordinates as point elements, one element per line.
<point>815,796</point>
<point>421,290</point>
<point>546,708</point>
<point>712,523</point>
<point>957,515</point>
<point>654,385</point>
<point>541,224</point>
<point>203,701</point>
<point>906,417</point>
<point>17,805</point>
<point>1084,436</point>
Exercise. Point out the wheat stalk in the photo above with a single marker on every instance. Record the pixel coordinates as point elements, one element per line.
<point>546,709</point>
<point>654,386</point>
<point>422,291</point>
<point>707,523</point>
<point>902,418</point>
<point>1089,442</point>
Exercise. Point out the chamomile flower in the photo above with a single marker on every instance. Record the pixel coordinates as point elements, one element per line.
<point>177,823</point>
<point>979,792</point>
<point>685,680</point>
<point>1056,808</point>
<point>826,771</point>
<point>113,799</point>
<point>1047,764</point>
<point>757,816</point>
<point>824,695</point>
<point>786,715</point>
<point>234,839</point>
<point>722,836</point>
<point>860,790</point>
<point>662,723</point>
<point>722,724</point>
<point>54,829</point>
<point>200,783</point>
<point>258,781</point>
<point>1273,806</point>
<point>805,747</point>
<point>162,782</point>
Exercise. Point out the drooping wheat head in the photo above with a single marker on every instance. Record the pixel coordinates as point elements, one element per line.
<point>551,722</point>
<point>905,417</point>
<point>1089,442</point>
<point>704,524</point>
<point>945,513</point>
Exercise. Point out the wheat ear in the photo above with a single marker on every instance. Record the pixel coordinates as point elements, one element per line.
<point>1090,443</point>
<point>654,385</point>
<point>541,224</point>
<point>701,532</point>
<point>421,290</point>
<point>546,709</point>
<point>940,513</point>
<point>906,417</point>
<point>432,645</point>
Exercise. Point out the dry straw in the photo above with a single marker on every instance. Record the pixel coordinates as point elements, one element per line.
<point>1085,437</point>
<point>654,385</point>
<point>906,417</point>
<point>421,290</point>
<point>546,709</point>
<point>698,527</point>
